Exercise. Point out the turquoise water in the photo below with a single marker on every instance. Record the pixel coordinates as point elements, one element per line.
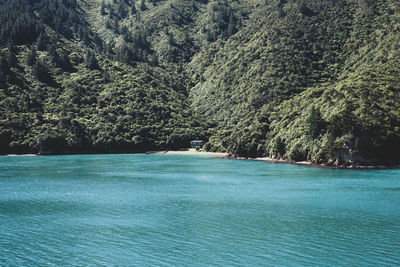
<point>164,210</point>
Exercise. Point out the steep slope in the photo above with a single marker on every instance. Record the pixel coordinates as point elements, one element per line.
<point>355,118</point>
<point>278,53</point>
<point>60,92</point>
<point>336,63</point>
<point>304,80</point>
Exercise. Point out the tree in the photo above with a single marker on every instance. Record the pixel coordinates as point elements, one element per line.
<point>31,57</point>
<point>52,142</point>
<point>316,124</point>
<point>279,147</point>
<point>2,77</point>
<point>90,60</point>
<point>133,9</point>
<point>5,139</point>
<point>122,11</point>
<point>62,60</point>
<point>2,67</point>
<point>40,72</point>
<point>41,42</point>
<point>103,8</point>
<point>123,54</point>
<point>142,5</point>
<point>305,10</point>
<point>232,26</point>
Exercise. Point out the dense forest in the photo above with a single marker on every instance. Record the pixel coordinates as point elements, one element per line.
<point>315,80</point>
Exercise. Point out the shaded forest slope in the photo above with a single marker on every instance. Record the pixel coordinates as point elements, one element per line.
<point>309,80</point>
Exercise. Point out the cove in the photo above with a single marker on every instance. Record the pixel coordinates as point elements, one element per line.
<point>174,210</point>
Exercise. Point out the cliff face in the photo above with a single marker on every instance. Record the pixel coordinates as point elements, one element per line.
<point>309,80</point>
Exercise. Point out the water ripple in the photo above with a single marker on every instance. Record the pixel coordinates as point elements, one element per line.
<point>144,210</point>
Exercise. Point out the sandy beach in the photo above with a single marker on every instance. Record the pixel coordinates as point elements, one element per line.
<point>190,153</point>
<point>21,155</point>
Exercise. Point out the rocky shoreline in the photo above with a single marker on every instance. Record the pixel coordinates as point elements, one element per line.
<point>223,155</point>
<point>318,165</point>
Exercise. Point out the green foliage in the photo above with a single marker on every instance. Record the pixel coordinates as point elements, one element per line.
<point>304,9</point>
<point>315,122</point>
<point>278,147</point>
<point>39,71</point>
<point>304,80</point>
<point>90,60</point>
<point>357,116</point>
<point>31,57</point>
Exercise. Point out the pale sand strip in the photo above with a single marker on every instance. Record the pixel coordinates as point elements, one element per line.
<point>191,153</point>
<point>21,155</point>
<point>285,161</point>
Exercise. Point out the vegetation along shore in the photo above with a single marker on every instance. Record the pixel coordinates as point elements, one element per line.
<point>224,155</point>
<point>314,81</point>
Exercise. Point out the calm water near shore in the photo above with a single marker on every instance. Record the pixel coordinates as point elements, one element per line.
<point>172,210</point>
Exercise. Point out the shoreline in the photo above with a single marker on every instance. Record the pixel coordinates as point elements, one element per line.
<point>225,155</point>
<point>189,153</point>
<point>312,164</point>
<point>20,155</point>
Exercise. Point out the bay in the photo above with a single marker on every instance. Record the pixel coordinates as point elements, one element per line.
<point>171,210</point>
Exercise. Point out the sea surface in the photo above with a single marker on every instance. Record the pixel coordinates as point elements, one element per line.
<point>170,210</point>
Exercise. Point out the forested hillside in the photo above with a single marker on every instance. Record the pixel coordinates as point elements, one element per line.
<point>313,80</point>
<point>65,89</point>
